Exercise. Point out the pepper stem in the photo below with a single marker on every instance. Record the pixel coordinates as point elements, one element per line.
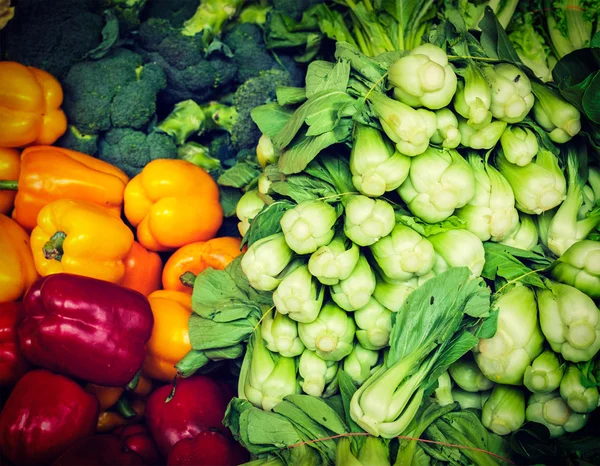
<point>9,185</point>
<point>134,382</point>
<point>188,279</point>
<point>53,249</point>
<point>124,408</point>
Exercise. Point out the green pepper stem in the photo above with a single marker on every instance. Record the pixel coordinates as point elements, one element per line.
<point>134,382</point>
<point>124,408</point>
<point>9,185</point>
<point>188,279</point>
<point>53,249</point>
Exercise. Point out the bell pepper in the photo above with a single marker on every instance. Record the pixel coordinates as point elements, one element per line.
<point>10,166</point>
<point>124,413</point>
<point>173,203</point>
<point>107,396</point>
<point>44,415</point>
<point>17,268</point>
<point>207,449</point>
<point>170,339</point>
<point>86,328</point>
<point>188,261</point>
<point>142,270</point>
<point>100,450</point>
<point>137,438</point>
<point>12,363</point>
<point>199,404</point>
<point>51,173</point>
<point>30,103</point>
<point>80,238</point>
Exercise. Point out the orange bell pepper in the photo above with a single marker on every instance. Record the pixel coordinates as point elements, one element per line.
<point>109,420</point>
<point>173,203</point>
<point>30,103</point>
<point>142,270</point>
<point>17,269</point>
<point>10,165</point>
<point>182,267</point>
<point>81,238</point>
<point>52,173</point>
<point>170,340</point>
<point>107,396</point>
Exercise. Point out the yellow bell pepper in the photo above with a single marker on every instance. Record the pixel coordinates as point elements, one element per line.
<point>81,238</point>
<point>17,270</point>
<point>170,340</point>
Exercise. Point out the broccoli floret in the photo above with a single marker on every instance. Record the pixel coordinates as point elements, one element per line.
<point>52,35</point>
<point>249,51</point>
<point>74,140</point>
<point>294,8</point>
<point>127,12</point>
<point>175,11</point>
<point>254,92</point>
<point>113,91</point>
<point>131,150</point>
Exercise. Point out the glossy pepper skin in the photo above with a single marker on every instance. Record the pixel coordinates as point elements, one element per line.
<point>143,270</point>
<point>137,438</point>
<point>188,261</point>
<point>170,339</point>
<point>51,173</point>
<point>198,405</point>
<point>86,328</point>
<point>207,449</point>
<point>80,238</point>
<point>100,450</point>
<point>133,413</point>
<point>173,203</point>
<point>30,103</point>
<point>44,415</point>
<point>12,363</point>
<point>17,268</point>
<point>10,167</point>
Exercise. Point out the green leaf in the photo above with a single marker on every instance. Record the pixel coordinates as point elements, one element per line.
<point>503,261</point>
<point>429,229</point>
<point>494,40</point>
<point>216,295</point>
<point>110,36</point>
<point>319,411</point>
<point>206,334</point>
<point>272,430</point>
<point>302,188</point>
<point>239,176</point>
<point>266,222</point>
<point>287,95</point>
<point>591,102</point>
<point>271,118</point>
<point>347,390</point>
<point>229,198</point>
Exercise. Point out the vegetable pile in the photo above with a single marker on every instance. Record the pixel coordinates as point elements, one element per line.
<point>279,233</point>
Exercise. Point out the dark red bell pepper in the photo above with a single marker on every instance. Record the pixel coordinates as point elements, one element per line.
<point>100,450</point>
<point>198,405</point>
<point>44,415</point>
<point>209,448</point>
<point>12,363</point>
<point>86,328</point>
<point>137,438</point>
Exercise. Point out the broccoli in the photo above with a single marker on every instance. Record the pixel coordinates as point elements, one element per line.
<point>52,35</point>
<point>131,150</point>
<point>113,91</point>
<point>249,51</point>
<point>175,11</point>
<point>74,140</point>
<point>294,8</point>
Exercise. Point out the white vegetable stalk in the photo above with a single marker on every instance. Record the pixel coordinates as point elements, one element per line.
<point>373,325</point>
<point>519,144</point>
<point>579,266</point>
<point>552,411</point>
<point>355,291</point>
<point>393,295</point>
<point>468,376</point>
<point>504,410</point>
<point>517,342</point>
<point>299,295</point>
<point>424,78</point>
<point>545,373</point>
<point>360,363</point>
<point>366,220</point>
<point>458,248</point>
<point>491,213</point>
<point>591,192</point>
<point>266,152</point>
<point>579,398</point>
<point>331,335</point>
<point>308,226</point>
<point>470,400</point>
<point>447,134</point>
<point>281,334</point>
<point>570,321</point>
<point>375,168</point>
<point>473,98</point>
<point>439,182</point>
<point>403,254</point>
<point>335,261</point>
<point>443,392</point>
<point>485,137</point>
<point>265,262</point>
<point>525,236</point>
<point>249,205</point>
<point>555,115</point>
<point>315,373</point>
<point>538,186</point>
<point>512,98</point>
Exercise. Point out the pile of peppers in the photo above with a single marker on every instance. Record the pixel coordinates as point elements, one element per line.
<point>96,282</point>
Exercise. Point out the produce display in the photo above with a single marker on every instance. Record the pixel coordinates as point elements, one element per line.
<point>299,232</point>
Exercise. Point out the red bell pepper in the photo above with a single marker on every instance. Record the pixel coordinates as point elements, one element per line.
<point>207,449</point>
<point>12,363</point>
<point>100,450</point>
<point>44,415</point>
<point>137,438</point>
<point>86,328</point>
<point>198,405</point>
